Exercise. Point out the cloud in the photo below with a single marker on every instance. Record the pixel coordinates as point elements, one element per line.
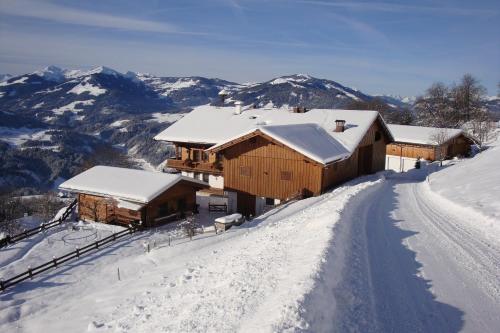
<point>62,14</point>
<point>398,8</point>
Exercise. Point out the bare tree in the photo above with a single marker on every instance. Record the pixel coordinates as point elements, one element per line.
<point>467,98</point>
<point>439,138</point>
<point>46,206</point>
<point>434,108</point>
<point>482,128</point>
<point>11,209</point>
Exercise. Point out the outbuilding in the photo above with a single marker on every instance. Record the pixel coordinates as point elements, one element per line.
<point>121,196</point>
<point>427,143</point>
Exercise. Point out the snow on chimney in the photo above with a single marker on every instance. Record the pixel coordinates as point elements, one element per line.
<point>237,106</point>
<point>339,125</point>
<point>223,94</point>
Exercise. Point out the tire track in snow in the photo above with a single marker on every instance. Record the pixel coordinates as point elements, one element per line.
<point>410,264</point>
<point>481,259</point>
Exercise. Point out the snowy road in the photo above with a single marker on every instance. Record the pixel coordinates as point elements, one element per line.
<point>413,263</point>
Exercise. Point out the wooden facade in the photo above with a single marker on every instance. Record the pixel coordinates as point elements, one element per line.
<point>458,146</point>
<point>178,199</point>
<point>256,165</point>
<point>369,157</point>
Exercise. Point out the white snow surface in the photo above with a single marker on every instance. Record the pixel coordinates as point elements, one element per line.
<point>166,117</point>
<point>216,125</point>
<point>18,81</point>
<point>473,183</point>
<point>73,106</point>
<point>86,87</point>
<point>310,140</point>
<point>420,134</point>
<point>249,279</point>
<point>127,184</point>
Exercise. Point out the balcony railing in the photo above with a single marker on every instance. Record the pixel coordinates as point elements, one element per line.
<point>187,165</point>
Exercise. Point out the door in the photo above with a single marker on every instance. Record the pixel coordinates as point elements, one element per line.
<point>365,158</point>
<point>246,203</point>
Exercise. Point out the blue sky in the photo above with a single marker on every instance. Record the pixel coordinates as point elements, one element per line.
<point>391,47</point>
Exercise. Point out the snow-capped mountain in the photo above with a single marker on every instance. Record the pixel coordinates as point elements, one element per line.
<point>5,77</point>
<point>398,101</point>
<point>298,90</point>
<point>53,121</point>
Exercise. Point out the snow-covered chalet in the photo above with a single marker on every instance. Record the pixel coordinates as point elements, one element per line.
<point>258,157</point>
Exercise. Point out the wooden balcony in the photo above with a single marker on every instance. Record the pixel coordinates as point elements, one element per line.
<point>191,166</point>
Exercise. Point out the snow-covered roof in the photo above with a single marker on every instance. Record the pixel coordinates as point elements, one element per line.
<point>419,134</point>
<point>125,184</point>
<point>310,140</point>
<point>216,125</point>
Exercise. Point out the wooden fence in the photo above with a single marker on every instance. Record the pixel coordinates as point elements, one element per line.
<point>11,239</point>
<point>55,262</point>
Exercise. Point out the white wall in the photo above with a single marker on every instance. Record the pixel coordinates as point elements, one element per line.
<point>187,174</point>
<point>203,199</point>
<point>216,181</point>
<point>398,164</point>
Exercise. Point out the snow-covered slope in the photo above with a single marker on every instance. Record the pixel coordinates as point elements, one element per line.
<point>473,183</point>
<point>249,279</point>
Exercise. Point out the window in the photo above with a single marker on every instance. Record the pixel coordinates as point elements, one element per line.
<point>205,156</point>
<point>245,171</point>
<point>286,175</point>
<point>196,155</point>
<point>269,202</point>
<point>378,136</point>
<point>205,177</point>
<point>197,175</point>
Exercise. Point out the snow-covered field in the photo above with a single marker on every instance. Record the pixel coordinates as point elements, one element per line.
<point>249,278</point>
<point>384,253</point>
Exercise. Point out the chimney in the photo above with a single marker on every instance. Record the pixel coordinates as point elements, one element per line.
<point>299,109</point>
<point>223,94</point>
<point>237,106</point>
<point>339,126</point>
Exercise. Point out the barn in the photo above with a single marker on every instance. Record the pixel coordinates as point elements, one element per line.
<point>121,196</point>
<point>265,156</point>
<point>413,142</point>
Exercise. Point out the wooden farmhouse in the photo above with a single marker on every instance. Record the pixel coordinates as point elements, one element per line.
<point>413,142</point>
<point>121,196</point>
<point>256,158</point>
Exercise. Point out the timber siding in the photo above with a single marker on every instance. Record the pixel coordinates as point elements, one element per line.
<point>265,168</point>
<point>179,198</point>
<point>103,209</point>
<point>459,146</point>
<point>260,166</point>
<point>337,173</point>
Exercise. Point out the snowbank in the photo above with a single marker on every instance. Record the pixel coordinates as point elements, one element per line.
<point>473,183</point>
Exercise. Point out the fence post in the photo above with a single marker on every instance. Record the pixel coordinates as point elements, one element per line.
<point>169,239</point>
<point>2,287</point>
<point>54,260</point>
<point>30,272</point>
<point>119,279</point>
<point>77,252</point>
